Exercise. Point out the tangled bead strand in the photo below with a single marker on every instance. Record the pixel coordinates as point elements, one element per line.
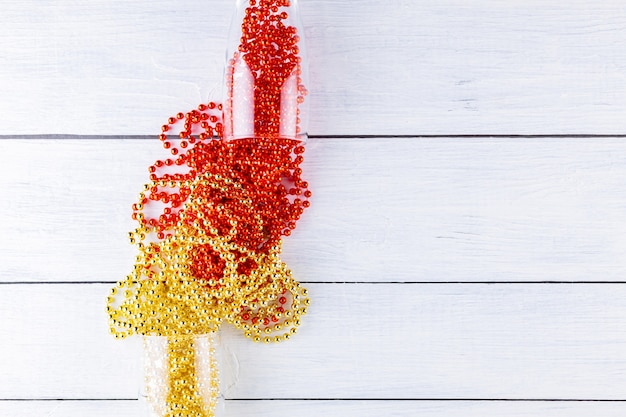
<point>211,251</point>
<point>211,218</point>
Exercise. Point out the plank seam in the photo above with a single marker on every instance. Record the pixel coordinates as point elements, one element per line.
<point>65,399</point>
<point>357,282</point>
<point>594,400</point>
<point>339,136</point>
<point>591,400</point>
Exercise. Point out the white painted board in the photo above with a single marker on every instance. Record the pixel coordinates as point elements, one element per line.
<point>362,408</point>
<point>387,210</point>
<point>359,341</point>
<point>392,67</point>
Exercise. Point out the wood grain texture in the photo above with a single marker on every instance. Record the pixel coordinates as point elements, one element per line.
<point>326,408</point>
<point>383,210</point>
<point>57,346</point>
<point>415,210</point>
<point>359,341</point>
<point>398,67</point>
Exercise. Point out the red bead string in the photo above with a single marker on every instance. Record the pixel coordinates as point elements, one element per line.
<point>266,171</point>
<point>270,49</point>
<point>211,219</point>
<point>236,197</point>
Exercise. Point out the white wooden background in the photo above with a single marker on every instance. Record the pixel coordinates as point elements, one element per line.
<point>465,247</point>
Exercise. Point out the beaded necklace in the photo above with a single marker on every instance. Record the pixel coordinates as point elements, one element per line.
<point>211,218</point>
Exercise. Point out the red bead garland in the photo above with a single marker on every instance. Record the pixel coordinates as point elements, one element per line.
<point>266,197</point>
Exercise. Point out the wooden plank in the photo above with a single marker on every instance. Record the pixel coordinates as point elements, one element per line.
<point>385,341</point>
<point>327,408</point>
<point>399,67</point>
<point>56,345</point>
<point>402,210</point>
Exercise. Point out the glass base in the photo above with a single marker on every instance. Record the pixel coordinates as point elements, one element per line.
<point>180,376</point>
